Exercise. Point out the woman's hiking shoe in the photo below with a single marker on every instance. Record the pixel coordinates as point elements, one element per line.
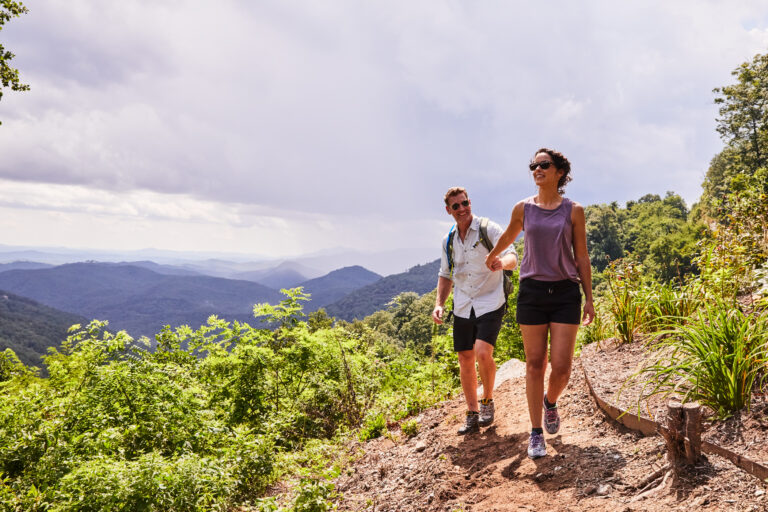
<point>536,446</point>
<point>551,418</point>
<point>486,412</point>
<point>471,424</point>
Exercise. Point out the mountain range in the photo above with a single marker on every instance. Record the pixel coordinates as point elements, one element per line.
<point>142,297</point>
<point>375,296</point>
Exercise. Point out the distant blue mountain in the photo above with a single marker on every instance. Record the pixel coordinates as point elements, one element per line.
<point>373,297</point>
<point>136,299</point>
<point>23,265</point>
<point>337,284</point>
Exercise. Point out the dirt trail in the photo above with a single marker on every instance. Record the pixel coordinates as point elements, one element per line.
<point>592,464</point>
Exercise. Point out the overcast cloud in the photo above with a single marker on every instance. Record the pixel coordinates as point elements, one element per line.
<point>284,127</point>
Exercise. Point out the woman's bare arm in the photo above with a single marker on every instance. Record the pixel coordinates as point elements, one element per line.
<point>507,237</point>
<point>583,265</point>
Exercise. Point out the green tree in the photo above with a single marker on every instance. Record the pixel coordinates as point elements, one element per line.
<point>743,120</point>
<point>9,76</point>
<point>604,234</point>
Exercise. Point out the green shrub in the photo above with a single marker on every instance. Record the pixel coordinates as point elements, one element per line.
<point>715,359</point>
<point>152,482</point>
<point>410,427</point>
<point>375,425</point>
<point>314,496</point>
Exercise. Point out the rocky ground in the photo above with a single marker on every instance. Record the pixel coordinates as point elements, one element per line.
<point>592,463</point>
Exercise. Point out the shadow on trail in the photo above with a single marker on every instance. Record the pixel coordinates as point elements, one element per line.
<point>566,465</point>
<point>477,451</point>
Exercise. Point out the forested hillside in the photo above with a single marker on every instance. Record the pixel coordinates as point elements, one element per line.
<point>136,299</point>
<point>336,285</point>
<point>29,328</point>
<point>371,298</point>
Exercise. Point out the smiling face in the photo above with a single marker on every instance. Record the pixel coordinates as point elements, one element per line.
<point>459,207</point>
<point>545,177</point>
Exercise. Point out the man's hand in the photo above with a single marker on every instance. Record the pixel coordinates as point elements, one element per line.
<point>494,263</point>
<point>437,315</point>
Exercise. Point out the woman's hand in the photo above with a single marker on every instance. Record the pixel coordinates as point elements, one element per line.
<point>589,313</point>
<point>493,263</point>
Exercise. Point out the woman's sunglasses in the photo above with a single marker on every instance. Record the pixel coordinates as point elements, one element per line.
<point>543,165</point>
<point>455,206</point>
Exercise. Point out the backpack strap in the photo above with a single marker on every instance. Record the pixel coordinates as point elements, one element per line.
<point>449,248</point>
<point>507,282</point>
<point>484,234</point>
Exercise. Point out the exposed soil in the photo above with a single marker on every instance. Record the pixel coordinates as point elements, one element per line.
<point>592,464</point>
<point>611,365</point>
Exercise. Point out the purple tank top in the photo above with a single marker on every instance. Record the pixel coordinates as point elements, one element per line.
<point>548,254</point>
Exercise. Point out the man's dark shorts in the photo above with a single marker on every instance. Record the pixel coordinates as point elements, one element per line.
<point>484,327</point>
<point>543,302</point>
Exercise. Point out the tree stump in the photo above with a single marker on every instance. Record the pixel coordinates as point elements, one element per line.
<point>682,435</point>
<point>692,413</point>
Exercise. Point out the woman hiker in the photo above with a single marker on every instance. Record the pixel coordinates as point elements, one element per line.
<point>555,262</point>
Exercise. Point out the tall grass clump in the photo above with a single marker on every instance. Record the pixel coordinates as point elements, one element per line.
<point>717,359</point>
<point>670,304</point>
<point>626,301</point>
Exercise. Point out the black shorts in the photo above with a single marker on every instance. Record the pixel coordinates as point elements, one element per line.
<point>485,327</point>
<point>543,302</point>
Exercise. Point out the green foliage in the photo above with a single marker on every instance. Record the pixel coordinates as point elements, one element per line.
<point>743,113</point>
<point>288,312</point>
<point>10,366</point>
<point>717,358</point>
<point>9,77</point>
<point>213,416</point>
<point>314,496</point>
<point>509,344</point>
<point>627,303</point>
<point>656,231</point>
<point>374,426</point>
<point>410,427</point>
<point>669,304</point>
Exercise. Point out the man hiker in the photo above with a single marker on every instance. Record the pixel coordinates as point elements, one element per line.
<point>479,301</point>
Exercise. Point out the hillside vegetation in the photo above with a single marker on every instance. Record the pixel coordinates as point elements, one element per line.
<point>28,328</point>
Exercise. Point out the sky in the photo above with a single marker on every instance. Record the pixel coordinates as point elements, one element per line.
<point>279,128</point>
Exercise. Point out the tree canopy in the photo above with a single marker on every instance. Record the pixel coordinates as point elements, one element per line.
<point>9,76</point>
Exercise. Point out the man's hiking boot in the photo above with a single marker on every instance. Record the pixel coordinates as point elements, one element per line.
<point>551,418</point>
<point>471,424</point>
<point>486,412</point>
<point>536,446</point>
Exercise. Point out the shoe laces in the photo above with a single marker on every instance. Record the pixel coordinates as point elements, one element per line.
<point>551,414</point>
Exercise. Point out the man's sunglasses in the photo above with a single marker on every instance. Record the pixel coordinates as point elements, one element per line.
<point>455,206</point>
<point>543,165</point>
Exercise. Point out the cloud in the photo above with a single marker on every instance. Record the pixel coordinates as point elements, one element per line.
<point>368,110</point>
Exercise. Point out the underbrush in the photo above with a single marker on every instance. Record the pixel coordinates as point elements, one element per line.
<point>209,420</point>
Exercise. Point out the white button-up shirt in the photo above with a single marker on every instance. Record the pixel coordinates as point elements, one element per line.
<point>474,286</point>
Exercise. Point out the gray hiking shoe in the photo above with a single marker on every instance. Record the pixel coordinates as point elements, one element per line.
<point>551,418</point>
<point>486,412</point>
<point>471,424</point>
<point>536,446</point>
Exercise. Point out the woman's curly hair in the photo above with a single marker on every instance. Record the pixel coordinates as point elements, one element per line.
<point>561,163</point>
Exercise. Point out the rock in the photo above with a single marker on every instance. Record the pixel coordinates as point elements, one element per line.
<point>603,490</point>
<point>759,492</point>
<point>420,446</point>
